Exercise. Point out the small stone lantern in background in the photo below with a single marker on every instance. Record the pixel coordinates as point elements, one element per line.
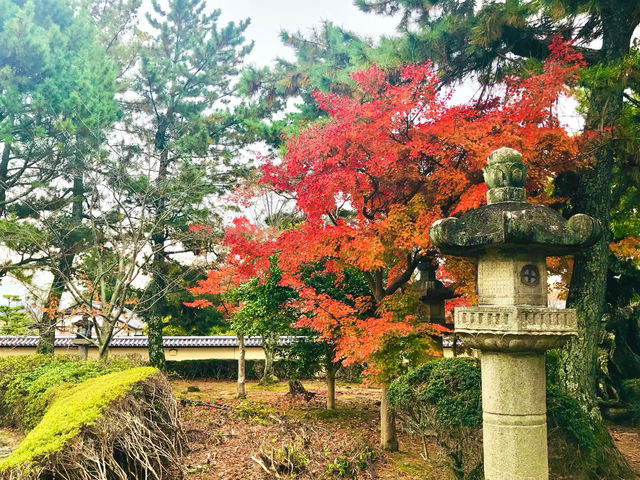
<point>512,325</point>
<point>433,294</point>
<point>83,337</point>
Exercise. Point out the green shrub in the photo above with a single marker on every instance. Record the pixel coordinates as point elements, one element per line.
<point>631,395</point>
<point>631,390</point>
<point>348,466</point>
<point>442,399</point>
<point>78,407</point>
<point>28,383</point>
<point>254,412</point>
<point>225,369</point>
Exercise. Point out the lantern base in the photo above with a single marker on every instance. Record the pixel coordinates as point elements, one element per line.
<point>518,328</point>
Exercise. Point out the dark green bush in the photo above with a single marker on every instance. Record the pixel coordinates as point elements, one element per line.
<point>631,390</point>
<point>28,383</point>
<point>224,369</point>
<point>442,398</point>
<point>631,395</point>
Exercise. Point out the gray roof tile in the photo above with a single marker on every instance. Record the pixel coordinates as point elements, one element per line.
<point>142,342</point>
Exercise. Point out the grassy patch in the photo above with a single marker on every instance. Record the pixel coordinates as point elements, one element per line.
<point>410,466</point>
<point>253,411</point>
<point>339,415</point>
<point>72,409</point>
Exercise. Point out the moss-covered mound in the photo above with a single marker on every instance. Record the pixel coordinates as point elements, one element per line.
<point>28,383</point>
<point>442,398</point>
<point>122,425</point>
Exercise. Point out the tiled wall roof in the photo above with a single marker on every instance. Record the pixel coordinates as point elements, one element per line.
<point>143,342</point>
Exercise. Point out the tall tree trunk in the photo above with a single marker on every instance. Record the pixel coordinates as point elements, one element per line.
<point>47,324</point>
<point>268,346</point>
<point>103,352</point>
<point>388,434</point>
<point>593,197</point>
<point>578,363</point>
<point>155,323</point>
<point>242,393</point>
<point>4,169</point>
<point>156,349</point>
<point>158,239</point>
<point>105,340</point>
<point>587,292</point>
<point>331,388</point>
<point>331,368</point>
<point>63,272</point>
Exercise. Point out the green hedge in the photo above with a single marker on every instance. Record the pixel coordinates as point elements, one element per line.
<point>223,369</point>
<point>28,383</point>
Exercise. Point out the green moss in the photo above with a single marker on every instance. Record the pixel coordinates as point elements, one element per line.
<point>339,415</point>
<point>26,380</point>
<point>79,406</point>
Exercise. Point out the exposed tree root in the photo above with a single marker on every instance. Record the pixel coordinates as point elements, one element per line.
<point>138,437</point>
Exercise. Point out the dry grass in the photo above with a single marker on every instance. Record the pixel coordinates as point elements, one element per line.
<point>270,436</point>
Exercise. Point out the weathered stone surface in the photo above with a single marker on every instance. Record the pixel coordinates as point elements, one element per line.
<point>515,328</point>
<point>512,279</point>
<point>515,319</point>
<point>514,226</point>
<point>512,325</point>
<point>514,416</point>
<point>508,222</point>
<point>505,175</point>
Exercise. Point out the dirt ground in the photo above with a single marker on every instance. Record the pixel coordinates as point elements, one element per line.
<point>270,436</point>
<point>9,440</point>
<point>628,441</point>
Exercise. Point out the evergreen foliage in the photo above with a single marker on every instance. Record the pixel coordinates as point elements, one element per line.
<point>14,320</point>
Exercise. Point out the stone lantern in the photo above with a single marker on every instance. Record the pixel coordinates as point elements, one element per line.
<point>433,294</point>
<point>512,325</point>
<point>83,337</point>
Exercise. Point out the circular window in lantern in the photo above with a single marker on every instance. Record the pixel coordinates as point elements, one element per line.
<point>530,275</point>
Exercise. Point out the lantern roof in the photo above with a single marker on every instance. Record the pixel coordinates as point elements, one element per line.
<point>508,222</point>
<point>429,287</point>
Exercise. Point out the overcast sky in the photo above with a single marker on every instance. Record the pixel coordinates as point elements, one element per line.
<point>269,17</point>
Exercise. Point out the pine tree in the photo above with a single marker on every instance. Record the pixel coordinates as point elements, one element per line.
<point>186,88</point>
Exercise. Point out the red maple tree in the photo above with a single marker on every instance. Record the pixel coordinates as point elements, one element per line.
<point>371,177</point>
<point>391,159</point>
